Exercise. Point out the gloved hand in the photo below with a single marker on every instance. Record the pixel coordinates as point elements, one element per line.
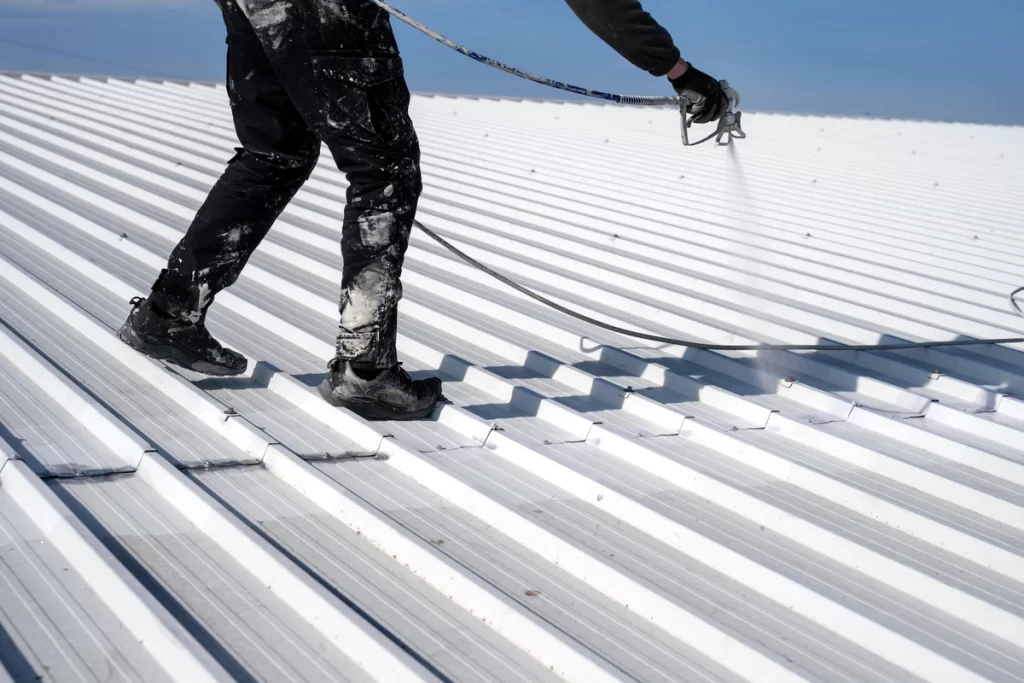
<point>708,102</point>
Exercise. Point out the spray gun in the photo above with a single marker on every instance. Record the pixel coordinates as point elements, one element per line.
<point>728,125</point>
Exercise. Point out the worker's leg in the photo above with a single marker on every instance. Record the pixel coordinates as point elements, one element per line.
<point>384,189</point>
<point>278,153</point>
<point>364,107</point>
<point>345,75</point>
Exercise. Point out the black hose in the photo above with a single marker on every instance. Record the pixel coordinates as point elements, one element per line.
<point>700,345</point>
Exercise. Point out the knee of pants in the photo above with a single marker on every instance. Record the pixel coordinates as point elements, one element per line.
<point>277,167</point>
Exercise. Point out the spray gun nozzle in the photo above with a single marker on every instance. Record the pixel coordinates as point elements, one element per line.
<point>729,128</point>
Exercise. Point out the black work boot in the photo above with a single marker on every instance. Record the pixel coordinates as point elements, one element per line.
<point>382,394</point>
<point>179,342</point>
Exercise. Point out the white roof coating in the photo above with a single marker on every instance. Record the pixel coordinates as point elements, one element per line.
<point>588,507</point>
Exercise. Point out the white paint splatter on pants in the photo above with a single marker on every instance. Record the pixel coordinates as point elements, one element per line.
<point>375,229</point>
<point>204,299</point>
<point>267,17</point>
<point>235,235</point>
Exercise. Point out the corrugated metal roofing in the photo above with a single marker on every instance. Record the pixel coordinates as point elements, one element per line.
<point>589,507</point>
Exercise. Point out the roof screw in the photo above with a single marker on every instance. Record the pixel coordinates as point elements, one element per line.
<point>936,185</point>
<point>814,182</point>
<point>533,170</point>
<point>606,141</point>
<point>819,149</point>
<point>487,135</point>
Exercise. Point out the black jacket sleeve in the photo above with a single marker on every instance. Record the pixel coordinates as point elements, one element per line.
<point>630,31</point>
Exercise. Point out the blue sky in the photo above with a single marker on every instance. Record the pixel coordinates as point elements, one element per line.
<point>905,58</point>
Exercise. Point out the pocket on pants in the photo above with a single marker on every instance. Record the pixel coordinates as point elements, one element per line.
<point>367,93</point>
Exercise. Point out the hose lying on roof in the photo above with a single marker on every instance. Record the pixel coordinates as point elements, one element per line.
<point>651,101</point>
<point>714,347</point>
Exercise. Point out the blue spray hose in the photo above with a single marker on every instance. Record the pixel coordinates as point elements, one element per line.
<point>638,100</point>
<point>651,101</point>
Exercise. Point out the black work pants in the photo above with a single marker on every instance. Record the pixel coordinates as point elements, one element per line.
<point>301,73</point>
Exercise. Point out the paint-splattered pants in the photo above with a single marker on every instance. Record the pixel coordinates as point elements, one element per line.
<point>302,72</point>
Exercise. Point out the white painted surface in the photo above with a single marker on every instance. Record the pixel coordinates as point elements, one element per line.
<point>588,507</point>
<point>157,635</point>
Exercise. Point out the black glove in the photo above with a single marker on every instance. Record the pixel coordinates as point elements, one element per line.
<point>708,102</point>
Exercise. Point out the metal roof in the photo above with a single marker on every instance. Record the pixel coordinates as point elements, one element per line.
<point>589,507</point>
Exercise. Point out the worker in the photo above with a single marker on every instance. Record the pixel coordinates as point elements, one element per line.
<point>305,72</point>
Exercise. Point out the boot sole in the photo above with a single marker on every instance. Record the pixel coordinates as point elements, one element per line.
<point>174,356</point>
<point>374,411</point>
